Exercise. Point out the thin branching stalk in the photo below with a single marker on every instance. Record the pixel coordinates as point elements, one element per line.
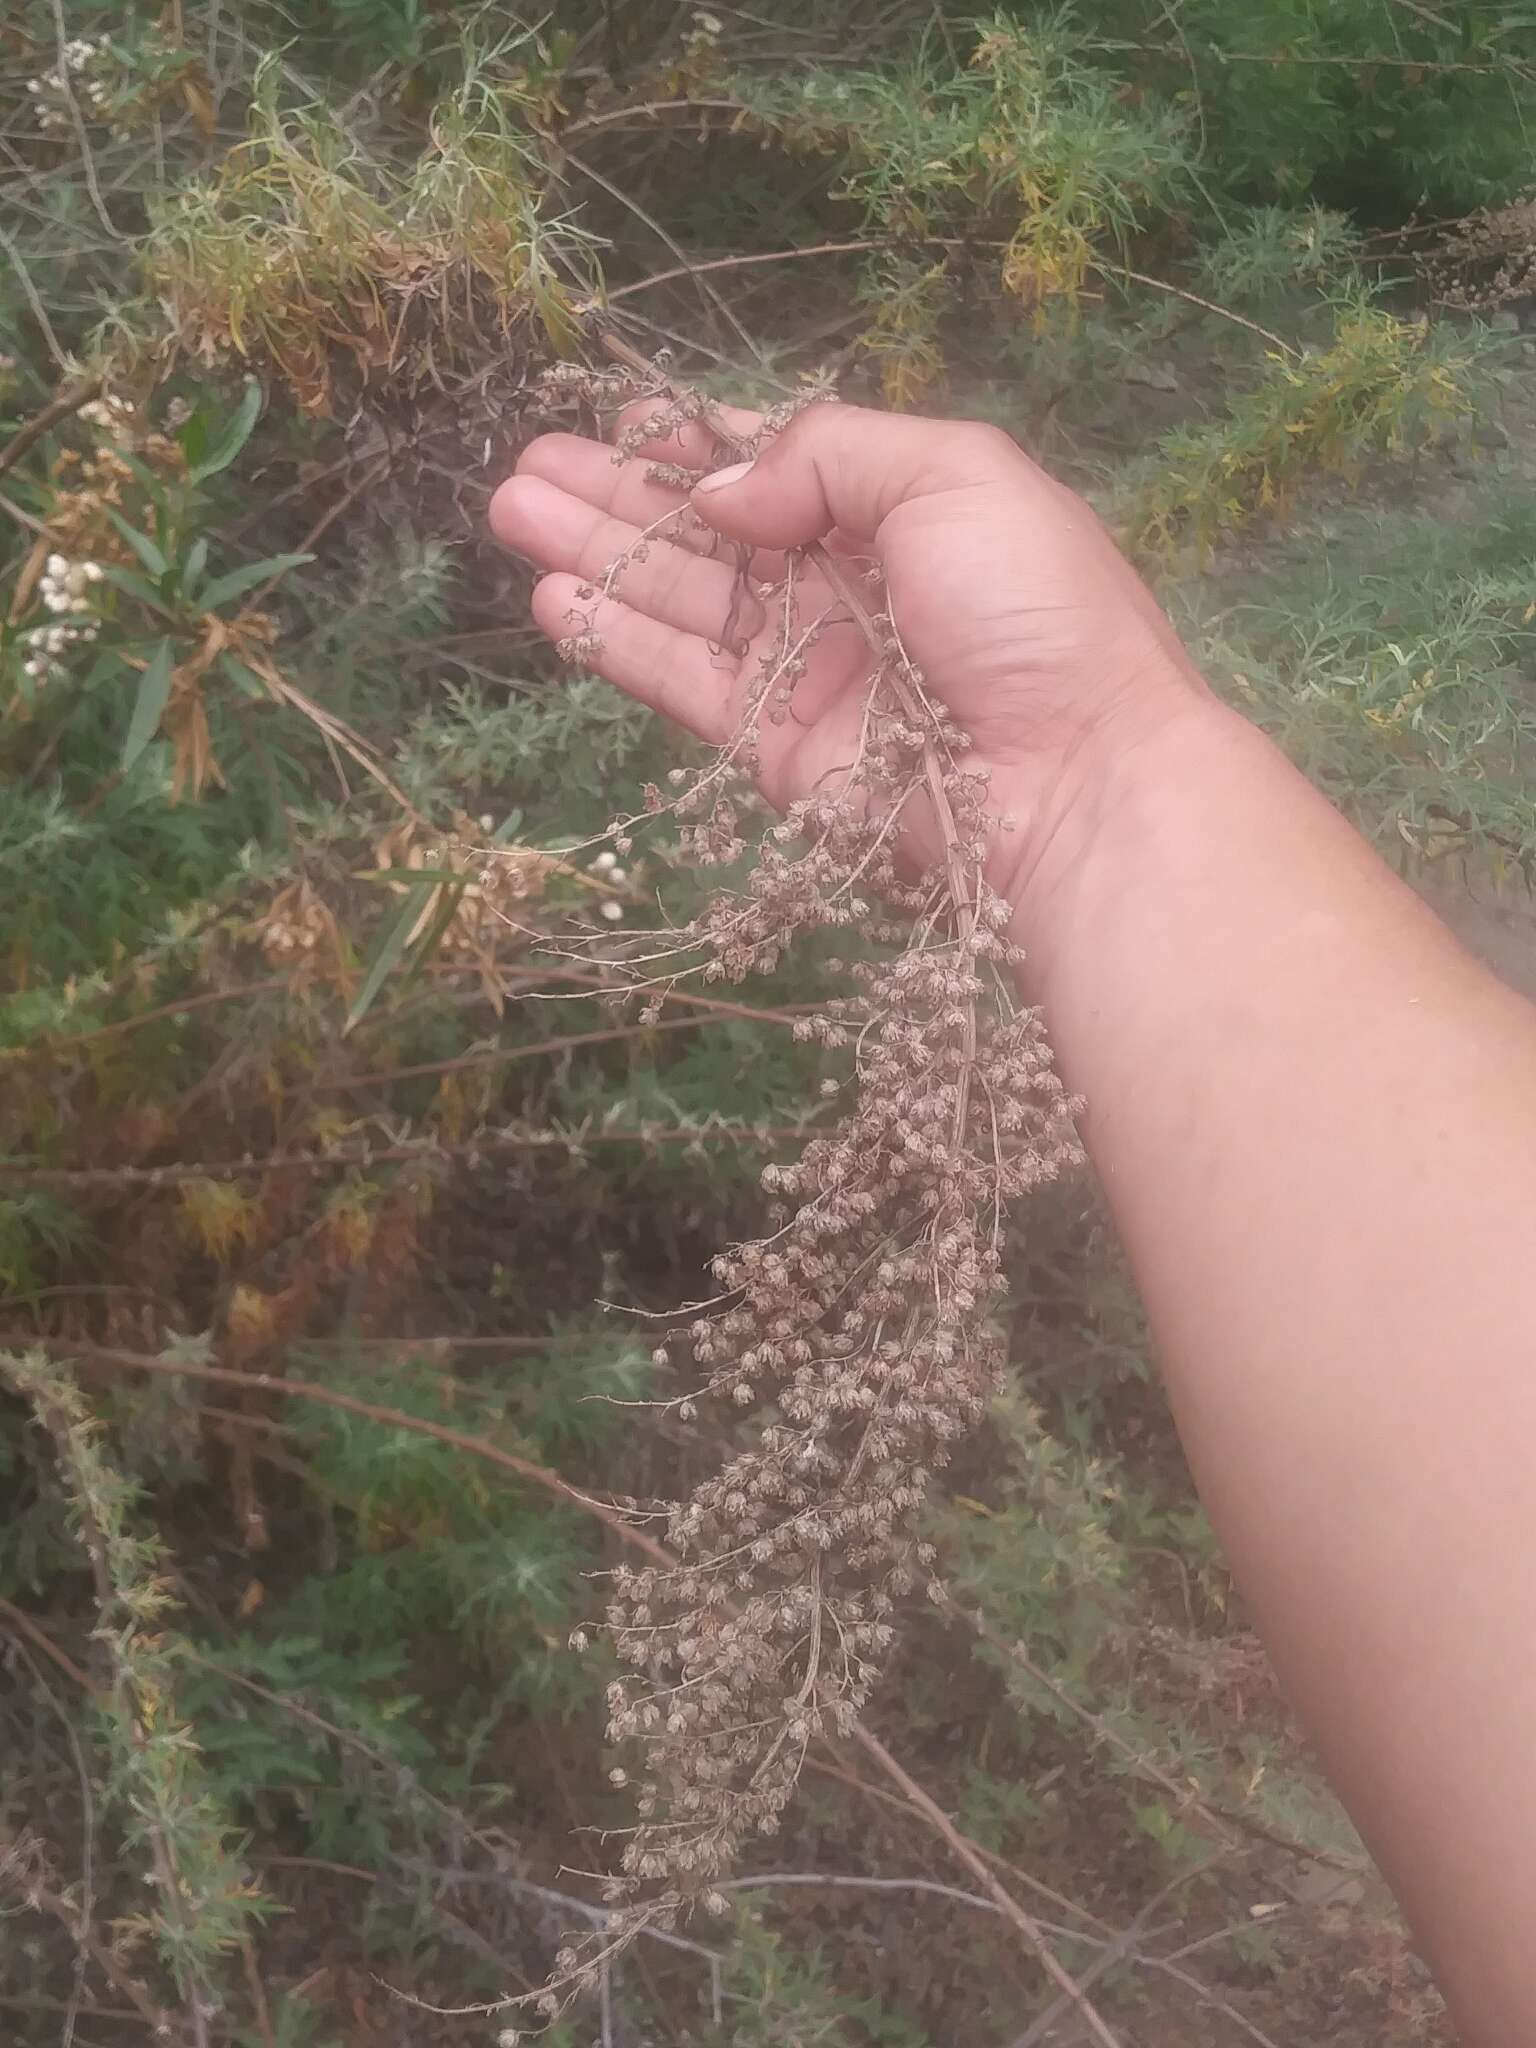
<point>864,1319</point>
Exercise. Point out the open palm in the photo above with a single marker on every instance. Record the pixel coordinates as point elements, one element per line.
<point>1025,620</point>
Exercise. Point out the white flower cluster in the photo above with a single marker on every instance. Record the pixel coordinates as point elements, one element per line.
<point>82,71</point>
<point>112,414</point>
<point>706,31</point>
<point>606,864</point>
<point>65,584</point>
<point>65,591</point>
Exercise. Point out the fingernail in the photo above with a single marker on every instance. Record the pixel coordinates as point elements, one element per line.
<point>718,479</point>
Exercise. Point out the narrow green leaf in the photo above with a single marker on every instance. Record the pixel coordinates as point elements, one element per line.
<point>238,581</point>
<point>193,439</point>
<point>149,704</point>
<point>194,565</point>
<point>432,937</point>
<point>244,679</point>
<point>142,546</point>
<point>392,940</point>
<point>154,487</point>
<point>134,586</point>
<point>232,440</point>
<point>411,875</point>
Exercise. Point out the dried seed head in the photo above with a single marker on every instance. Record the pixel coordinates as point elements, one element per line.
<point>865,1322</point>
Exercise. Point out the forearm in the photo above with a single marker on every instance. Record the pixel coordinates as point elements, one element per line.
<point>1307,1105</point>
<point>1315,1117</point>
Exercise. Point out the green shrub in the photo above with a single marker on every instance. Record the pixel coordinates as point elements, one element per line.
<point>297,861</point>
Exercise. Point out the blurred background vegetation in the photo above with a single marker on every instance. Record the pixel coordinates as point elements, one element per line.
<point>319,1157</point>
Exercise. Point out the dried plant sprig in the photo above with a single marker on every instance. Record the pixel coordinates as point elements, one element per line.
<point>863,1325</point>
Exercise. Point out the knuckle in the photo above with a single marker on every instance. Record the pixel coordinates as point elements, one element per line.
<point>986,445</point>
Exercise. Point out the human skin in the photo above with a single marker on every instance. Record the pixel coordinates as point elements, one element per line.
<point>1313,1114</point>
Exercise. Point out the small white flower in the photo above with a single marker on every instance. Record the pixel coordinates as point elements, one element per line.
<point>602,862</point>
<point>33,668</point>
<point>613,911</point>
<point>93,571</point>
<point>487,822</point>
<point>618,877</point>
<point>57,566</point>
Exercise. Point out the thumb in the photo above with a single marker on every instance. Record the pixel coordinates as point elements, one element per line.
<point>847,467</point>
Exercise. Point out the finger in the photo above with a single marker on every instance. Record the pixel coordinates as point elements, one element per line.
<point>843,466</point>
<point>588,470</point>
<point>691,444</point>
<point>673,672</point>
<point>667,583</point>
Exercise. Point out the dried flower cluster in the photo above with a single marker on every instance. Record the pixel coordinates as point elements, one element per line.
<point>1487,260</point>
<point>862,1324</point>
<point>114,415</point>
<point>295,923</point>
<point>80,534</point>
<point>91,485</point>
<point>493,899</point>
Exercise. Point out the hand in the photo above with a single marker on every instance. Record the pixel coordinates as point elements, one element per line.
<point>1008,593</point>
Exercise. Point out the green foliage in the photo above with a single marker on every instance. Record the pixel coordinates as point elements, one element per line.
<point>778,1994</point>
<point>1028,133</point>
<point>38,1233</point>
<point>433,1544</point>
<point>1389,655</point>
<point>353,1791</point>
<point>1382,385</point>
<point>157,1782</point>
<point>1049,1556</point>
<point>243,821</point>
<point>292,2022</point>
<point>1360,102</point>
<point>302,246</point>
<point>1260,254</point>
<point>594,741</point>
<point>1028,148</point>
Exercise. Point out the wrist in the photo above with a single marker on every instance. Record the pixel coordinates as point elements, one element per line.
<point>1096,805</point>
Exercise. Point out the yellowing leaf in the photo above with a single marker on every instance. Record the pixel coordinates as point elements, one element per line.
<point>219,1215</point>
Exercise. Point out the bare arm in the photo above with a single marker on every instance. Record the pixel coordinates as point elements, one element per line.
<point>1315,1118</point>
<point>1314,1115</point>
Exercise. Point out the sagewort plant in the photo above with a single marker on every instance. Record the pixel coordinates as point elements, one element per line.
<point>861,1326</point>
